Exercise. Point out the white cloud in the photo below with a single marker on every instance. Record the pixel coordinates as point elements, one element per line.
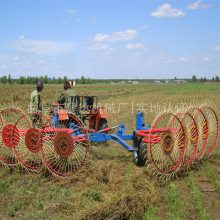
<point>99,46</point>
<point>3,67</point>
<point>166,10</point>
<point>135,46</point>
<point>16,58</point>
<point>2,57</point>
<point>129,34</point>
<point>185,59</point>
<point>44,47</point>
<point>196,59</point>
<point>21,37</point>
<point>164,58</point>
<point>143,27</point>
<point>71,11</point>
<point>199,4</point>
<point>217,48</point>
<point>206,59</point>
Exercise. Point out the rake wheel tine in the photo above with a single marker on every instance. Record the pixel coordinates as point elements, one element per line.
<point>63,162</point>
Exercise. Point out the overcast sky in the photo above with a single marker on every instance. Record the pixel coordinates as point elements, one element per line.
<point>110,38</point>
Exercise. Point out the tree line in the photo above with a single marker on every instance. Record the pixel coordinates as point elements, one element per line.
<point>32,80</point>
<point>45,79</point>
<point>204,79</point>
<point>82,80</point>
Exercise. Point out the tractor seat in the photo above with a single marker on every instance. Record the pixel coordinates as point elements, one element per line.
<point>73,103</point>
<point>89,102</point>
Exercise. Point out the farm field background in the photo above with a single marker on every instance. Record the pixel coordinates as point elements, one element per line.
<point>110,186</point>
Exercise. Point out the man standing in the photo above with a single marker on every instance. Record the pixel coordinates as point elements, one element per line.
<point>35,103</point>
<point>66,95</point>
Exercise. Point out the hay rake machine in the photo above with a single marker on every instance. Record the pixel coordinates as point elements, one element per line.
<point>60,142</point>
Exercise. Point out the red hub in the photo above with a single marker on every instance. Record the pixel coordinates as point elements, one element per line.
<point>34,140</point>
<point>63,144</point>
<point>167,142</point>
<point>10,136</point>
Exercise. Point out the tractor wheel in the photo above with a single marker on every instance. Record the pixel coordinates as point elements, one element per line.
<point>140,155</point>
<point>103,123</point>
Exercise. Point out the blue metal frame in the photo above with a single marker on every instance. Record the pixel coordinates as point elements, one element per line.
<point>120,135</point>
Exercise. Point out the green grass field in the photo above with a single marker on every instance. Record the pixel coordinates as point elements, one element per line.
<point>110,186</point>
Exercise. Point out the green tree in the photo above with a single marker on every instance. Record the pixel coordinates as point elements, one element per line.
<point>83,80</point>
<point>194,79</point>
<point>59,80</point>
<point>21,80</point>
<point>217,79</point>
<point>65,78</point>
<point>9,79</point>
<point>4,80</point>
<point>45,79</point>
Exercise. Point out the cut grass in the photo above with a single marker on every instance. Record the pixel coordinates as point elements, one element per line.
<point>197,198</point>
<point>93,195</point>
<point>110,186</point>
<point>151,213</point>
<point>174,203</point>
<point>214,177</point>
